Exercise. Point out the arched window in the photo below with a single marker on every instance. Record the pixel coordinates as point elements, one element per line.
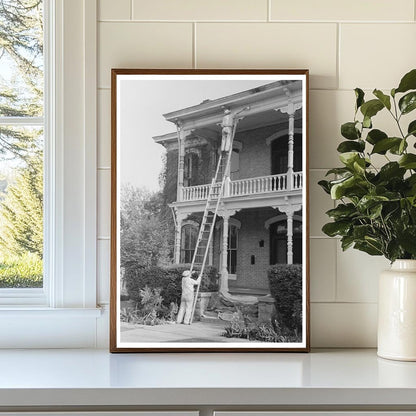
<point>278,242</point>
<point>191,165</point>
<point>280,148</point>
<point>189,236</point>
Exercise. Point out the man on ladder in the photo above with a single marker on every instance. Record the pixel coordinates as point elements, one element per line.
<point>227,131</point>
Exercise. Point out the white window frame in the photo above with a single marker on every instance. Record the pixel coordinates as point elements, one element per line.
<point>29,317</point>
<point>232,222</point>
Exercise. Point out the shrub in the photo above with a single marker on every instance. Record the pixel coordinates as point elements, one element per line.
<point>168,279</point>
<point>21,271</point>
<point>286,288</point>
<point>242,327</point>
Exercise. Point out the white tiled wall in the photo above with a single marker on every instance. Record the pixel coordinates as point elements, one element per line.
<point>344,43</point>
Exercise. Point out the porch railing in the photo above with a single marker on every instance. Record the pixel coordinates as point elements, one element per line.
<point>250,186</point>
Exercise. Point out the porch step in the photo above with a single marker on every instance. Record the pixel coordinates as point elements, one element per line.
<point>248,291</point>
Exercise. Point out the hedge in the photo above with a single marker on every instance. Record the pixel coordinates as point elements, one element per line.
<point>168,278</point>
<point>286,288</point>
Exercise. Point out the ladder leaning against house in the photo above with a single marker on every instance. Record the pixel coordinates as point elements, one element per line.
<point>206,230</point>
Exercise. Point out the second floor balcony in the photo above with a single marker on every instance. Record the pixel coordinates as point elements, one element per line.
<point>250,187</point>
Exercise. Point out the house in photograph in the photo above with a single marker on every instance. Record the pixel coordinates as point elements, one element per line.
<point>259,220</point>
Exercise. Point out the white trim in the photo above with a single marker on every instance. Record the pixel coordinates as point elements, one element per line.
<point>23,121</point>
<point>281,217</point>
<point>71,319</point>
<point>231,221</point>
<point>281,133</point>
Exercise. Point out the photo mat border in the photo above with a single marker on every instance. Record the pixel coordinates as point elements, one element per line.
<point>114,246</point>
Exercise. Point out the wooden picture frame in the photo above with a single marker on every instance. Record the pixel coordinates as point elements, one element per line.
<point>209,171</point>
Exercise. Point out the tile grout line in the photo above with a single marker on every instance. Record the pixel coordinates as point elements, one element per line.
<point>307,22</point>
<point>338,63</point>
<point>194,63</point>
<point>336,271</point>
<point>269,10</point>
<point>131,9</point>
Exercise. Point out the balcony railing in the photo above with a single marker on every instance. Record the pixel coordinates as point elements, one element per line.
<point>244,187</point>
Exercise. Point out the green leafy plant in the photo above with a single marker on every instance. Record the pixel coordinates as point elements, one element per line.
<point>376,210</point>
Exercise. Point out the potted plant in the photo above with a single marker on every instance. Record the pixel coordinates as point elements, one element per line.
<point>376,206</point>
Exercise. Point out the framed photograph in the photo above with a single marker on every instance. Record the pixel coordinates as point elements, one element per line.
<point>209,215</point>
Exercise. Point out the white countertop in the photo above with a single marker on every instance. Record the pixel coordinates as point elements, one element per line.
<point>96,377</point>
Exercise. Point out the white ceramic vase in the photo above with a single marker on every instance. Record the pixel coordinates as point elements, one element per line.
<point>397,312</point>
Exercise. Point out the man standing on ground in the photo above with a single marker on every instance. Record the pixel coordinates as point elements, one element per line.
<point>187,298</point>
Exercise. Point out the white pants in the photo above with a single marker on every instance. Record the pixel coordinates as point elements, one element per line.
<point>185,310</point>
<point>226,139</point>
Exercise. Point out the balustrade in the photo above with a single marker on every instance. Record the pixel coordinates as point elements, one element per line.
<point>243,187</point>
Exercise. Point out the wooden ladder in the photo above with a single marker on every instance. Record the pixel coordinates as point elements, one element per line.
<point>206,230</point>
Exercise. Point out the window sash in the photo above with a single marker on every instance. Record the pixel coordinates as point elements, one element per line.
<point>40,296</point>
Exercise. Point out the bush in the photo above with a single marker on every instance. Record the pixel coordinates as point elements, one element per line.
<point>286,288</point>
<point>241,326</point>
<point>25,271</point>
<point>168,279</point>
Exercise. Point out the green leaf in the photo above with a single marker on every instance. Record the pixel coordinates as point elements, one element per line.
<point>375,136</point>
<point>325,186</point>
<point>385,99</point>
<point>400,148</point>
<point>346,242</point>
<point>342,211</point>
<point>408,82</point>
<point>338,189</point>
<point>407,240</point>
<point>393,250</point>
<point>348,158</point>
<point>368,248</point>
<point>367,122</point>
<point>383,145</point>
<point>349,146</point>
<point>349,131</point>
<point>336,228</point>
<point>359,95</point>
<point>411,130</point>
<point>408,102</point>
<point>371,108</point>
<point>375,211</point>
<point>391,170</point>
<point>360,231</point>
<point>369,201</point>
<point>408,161</point>
<point>338,171</point>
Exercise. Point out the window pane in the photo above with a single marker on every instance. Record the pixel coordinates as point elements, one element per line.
<point>21,58</point>
<point>21,207</point>
<point>21,146</point>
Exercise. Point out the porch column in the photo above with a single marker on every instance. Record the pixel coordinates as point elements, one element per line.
<point>178,235</point>
<point>289,215</point>
<point>224,253</point>
<point>290,151</point>
<point>211,251</point>
<point>181,159</point>
<point>290,109</point>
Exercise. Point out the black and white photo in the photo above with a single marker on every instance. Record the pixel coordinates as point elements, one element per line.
<point>209,211</point>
